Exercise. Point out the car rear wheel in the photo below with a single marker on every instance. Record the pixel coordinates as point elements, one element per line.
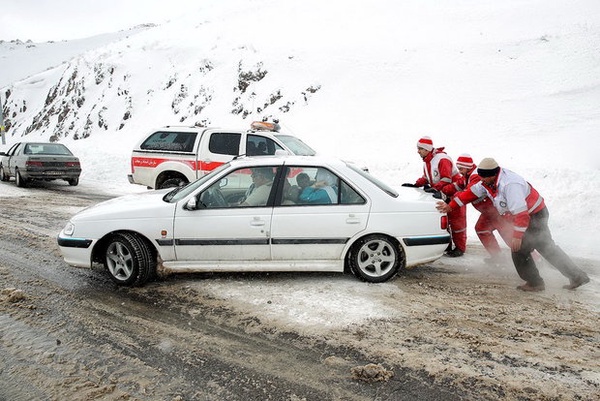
<point>19,180</point>
<point>375,258</point>
<point>73,181</point>
<point>129,260</point>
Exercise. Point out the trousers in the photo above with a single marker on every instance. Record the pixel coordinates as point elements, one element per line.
<point>457,220</point>
<point>538,237</point>
<point>485,226</point>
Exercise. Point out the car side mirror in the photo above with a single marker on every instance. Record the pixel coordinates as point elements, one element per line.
<point>192,204</point>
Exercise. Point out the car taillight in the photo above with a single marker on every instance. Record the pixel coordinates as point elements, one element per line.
<point>444,222</point>
<point>72,164</point>
<point>30,163</point>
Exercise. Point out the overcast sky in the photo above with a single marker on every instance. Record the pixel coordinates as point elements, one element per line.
<point>41,21</point>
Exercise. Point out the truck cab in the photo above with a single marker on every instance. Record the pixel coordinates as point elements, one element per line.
<point>176,155</point>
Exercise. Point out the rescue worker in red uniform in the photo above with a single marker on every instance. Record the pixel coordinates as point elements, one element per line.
<point>440,175</point>
<point>489,219</point>
<point>516,198</point>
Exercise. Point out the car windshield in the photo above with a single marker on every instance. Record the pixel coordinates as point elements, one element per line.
<point>380,184</point>
<point>296,145</point>
<point>181,192</point>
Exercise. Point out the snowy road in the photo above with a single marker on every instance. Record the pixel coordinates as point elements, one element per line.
<point>455,329</point>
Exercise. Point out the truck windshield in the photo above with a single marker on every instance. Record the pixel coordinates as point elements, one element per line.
<point>296,145</point>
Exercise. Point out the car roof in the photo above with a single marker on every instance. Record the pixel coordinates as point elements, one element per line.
<point>287,159</point>
<point>42,143</point>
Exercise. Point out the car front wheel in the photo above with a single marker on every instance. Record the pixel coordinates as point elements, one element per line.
<point>3,176</point>
<point>375,258</point>
<point>129,260</point>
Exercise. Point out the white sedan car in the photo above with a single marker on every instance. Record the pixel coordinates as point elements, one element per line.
<point>280,213</point>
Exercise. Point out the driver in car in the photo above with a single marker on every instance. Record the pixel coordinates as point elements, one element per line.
<point>262,180</point>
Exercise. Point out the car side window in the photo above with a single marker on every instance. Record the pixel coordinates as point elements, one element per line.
<point>316,186</point>
<point>225,143</point>
<point>348,196</point>
<point>170,141</point>
<point>258,145</point>
<point>14,149</point>
<point>246,187</point>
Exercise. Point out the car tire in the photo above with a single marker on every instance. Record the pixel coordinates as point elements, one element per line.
<point>376,258</point>
<point>19,180</point>
<point>73,181</point>
<point>172,183</point>
<point>129,260</point>
<point>3,176</point>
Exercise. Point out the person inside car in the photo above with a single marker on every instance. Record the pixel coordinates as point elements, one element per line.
<point>323,191</point>
<point>262,181</point>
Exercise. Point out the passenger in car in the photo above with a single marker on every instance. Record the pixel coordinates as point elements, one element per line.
<point>262,180</point>
<point>323,191</point>
<point>262,149</point>
<point>290,193</point>
<point>251,149</point>
<point>303,181</point>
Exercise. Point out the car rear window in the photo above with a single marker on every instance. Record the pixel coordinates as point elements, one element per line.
<point>46,149</point>
<point>170,141</point>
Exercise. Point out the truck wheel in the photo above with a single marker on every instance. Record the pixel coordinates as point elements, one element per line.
<point>173,183</point>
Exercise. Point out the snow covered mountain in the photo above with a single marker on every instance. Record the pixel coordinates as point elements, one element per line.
<point>515,80</point>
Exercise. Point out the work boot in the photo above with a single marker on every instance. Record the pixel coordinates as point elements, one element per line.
<point>455,253</point>
<point>577,282</point>
<point>531,288</point>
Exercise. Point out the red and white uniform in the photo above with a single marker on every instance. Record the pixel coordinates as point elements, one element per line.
<point>441,174</point>
<point>489,219</point>
<point>512,196</point>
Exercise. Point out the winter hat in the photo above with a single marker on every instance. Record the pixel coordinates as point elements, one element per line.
<point>488,167</point>
<point>464,161</point>
<point>425,143</point>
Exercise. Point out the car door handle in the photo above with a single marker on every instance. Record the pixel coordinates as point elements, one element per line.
<point>257,223</point>
<point>352,219</point>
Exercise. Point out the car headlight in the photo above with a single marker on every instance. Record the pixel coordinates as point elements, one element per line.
<point>69,229</point>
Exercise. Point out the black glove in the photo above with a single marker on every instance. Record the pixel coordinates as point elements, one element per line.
<point>408,184</point>
<point>434,192</point>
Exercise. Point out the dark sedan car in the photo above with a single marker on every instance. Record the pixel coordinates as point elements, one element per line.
<point>44,161</point>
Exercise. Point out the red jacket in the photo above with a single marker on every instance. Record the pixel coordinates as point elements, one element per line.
<point>513,197</point>
<point>484,204</point>
<point>440,173</point>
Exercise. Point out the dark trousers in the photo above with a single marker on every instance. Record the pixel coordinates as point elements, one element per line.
<point>538,237</point>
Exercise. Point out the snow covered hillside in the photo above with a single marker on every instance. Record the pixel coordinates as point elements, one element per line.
<point>514,80</point>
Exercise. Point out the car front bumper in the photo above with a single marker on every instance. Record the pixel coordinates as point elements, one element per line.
<point>76,251</point>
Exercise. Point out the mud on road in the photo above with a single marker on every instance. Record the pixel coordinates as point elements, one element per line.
<point>452,330</point>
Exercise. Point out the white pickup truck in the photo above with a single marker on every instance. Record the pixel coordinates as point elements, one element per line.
<point>172,156</point>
